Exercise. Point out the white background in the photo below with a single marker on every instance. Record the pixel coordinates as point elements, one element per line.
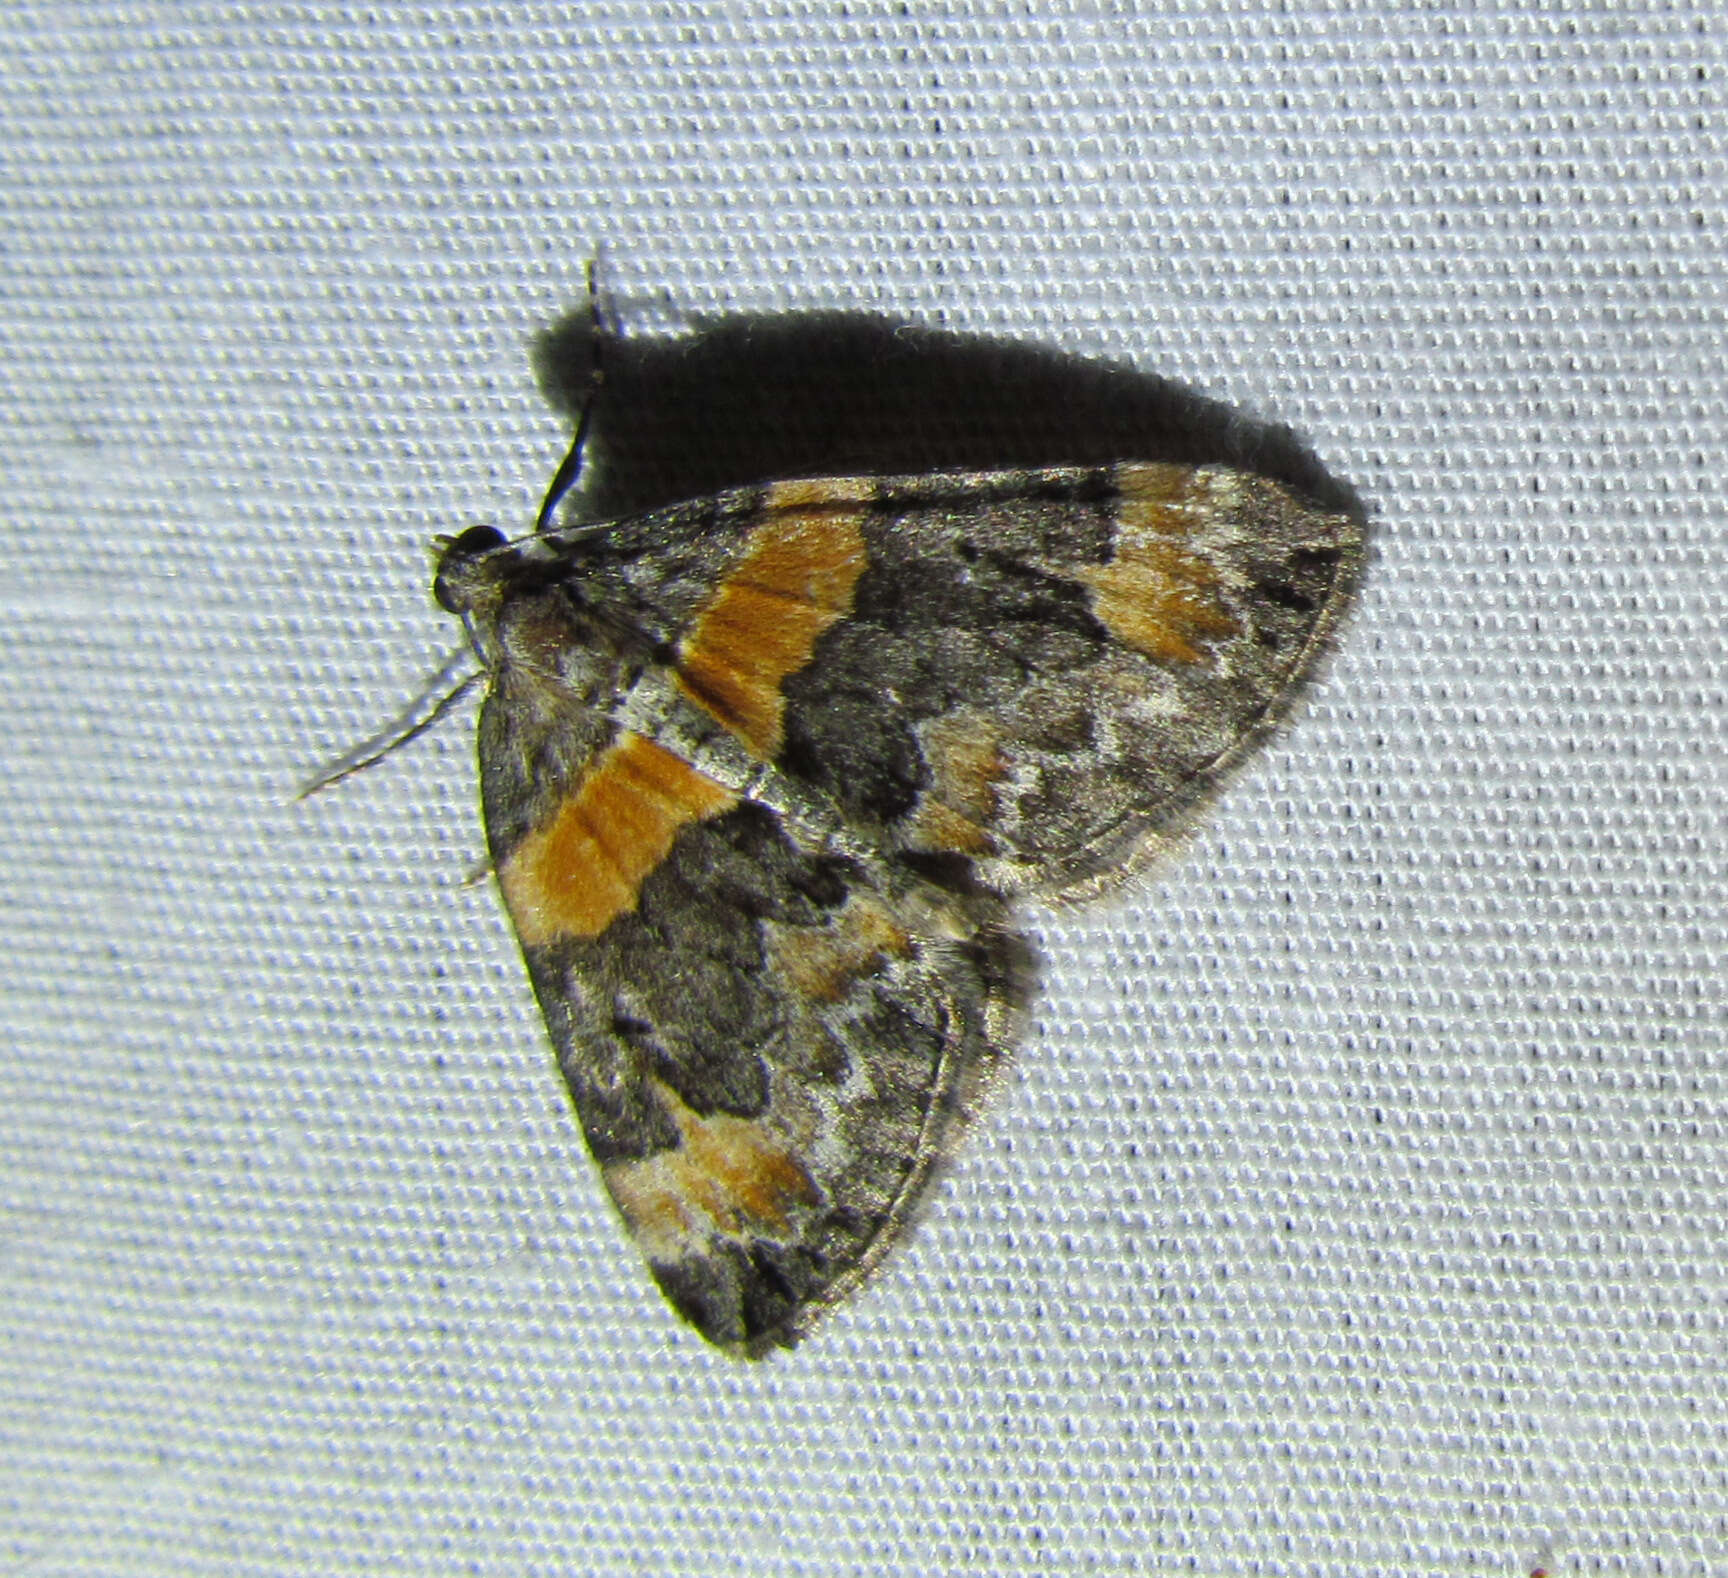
<point>1361,1200</point>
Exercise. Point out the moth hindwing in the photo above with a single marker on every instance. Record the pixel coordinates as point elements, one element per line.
<point>764,772</point>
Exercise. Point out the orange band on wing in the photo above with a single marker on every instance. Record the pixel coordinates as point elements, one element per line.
<point>1154,594</point>
<point>959,806</point>
<point>576,875</point>
<point>822,964</point>
<point>733,1176</point>
<point>792,581</point>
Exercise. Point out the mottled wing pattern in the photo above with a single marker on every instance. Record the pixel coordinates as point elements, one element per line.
<point>761,772</point>
<point>1046,672</point>
<point>769,1036</point>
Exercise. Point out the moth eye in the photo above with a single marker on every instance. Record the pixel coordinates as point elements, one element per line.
<point>459,552</point>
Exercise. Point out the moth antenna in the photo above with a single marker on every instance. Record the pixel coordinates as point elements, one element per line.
<point>570,467</point>
<point>435,698</point>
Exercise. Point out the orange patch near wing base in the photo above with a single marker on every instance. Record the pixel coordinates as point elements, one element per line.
<point>576,875</point>
<point>1157,595</point>
<point>792,581</point>
<point>729,1175</point>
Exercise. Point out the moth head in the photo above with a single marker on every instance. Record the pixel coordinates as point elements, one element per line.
<point>471,565</point>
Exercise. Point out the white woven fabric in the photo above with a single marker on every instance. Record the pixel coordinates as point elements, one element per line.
<point>1360,1203</point>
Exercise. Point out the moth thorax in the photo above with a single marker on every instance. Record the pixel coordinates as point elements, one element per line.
<point>551,633</point>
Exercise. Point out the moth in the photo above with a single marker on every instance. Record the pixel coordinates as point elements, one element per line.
<point>765,774</point>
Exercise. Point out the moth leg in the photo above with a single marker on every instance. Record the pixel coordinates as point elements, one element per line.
<point>570,467</point>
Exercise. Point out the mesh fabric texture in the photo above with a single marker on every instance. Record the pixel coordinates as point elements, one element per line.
<point>1360,1198</point>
